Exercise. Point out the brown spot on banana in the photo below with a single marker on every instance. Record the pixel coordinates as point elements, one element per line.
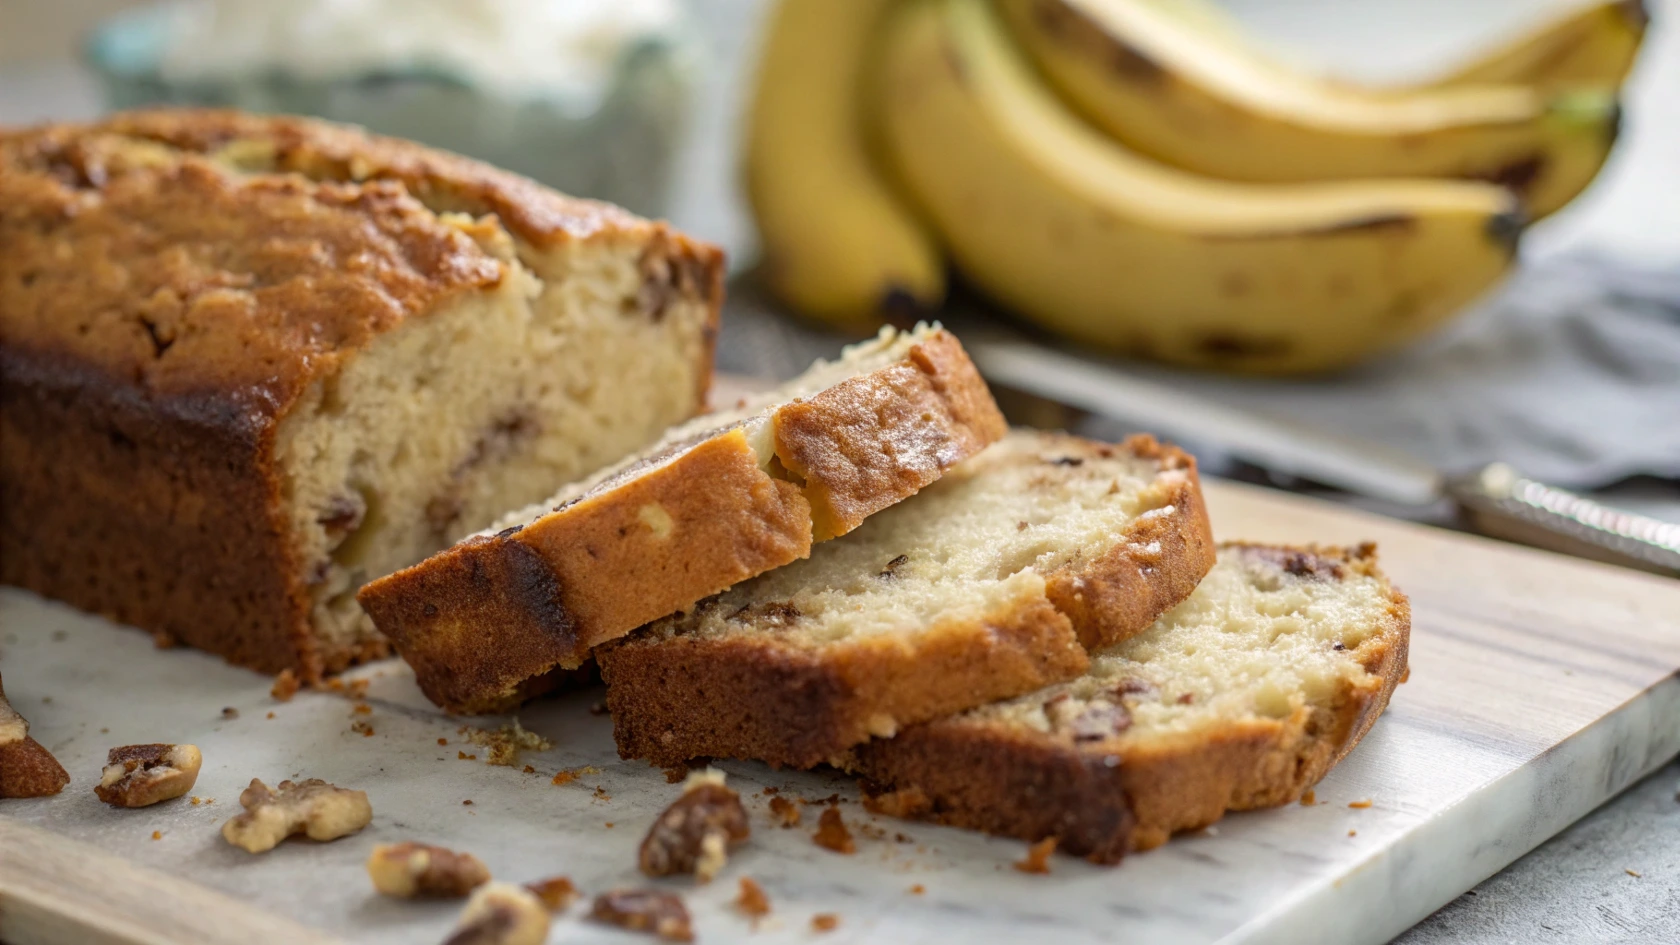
<point>1070,26</point>
<point>1506,228</point>
<point>1636,13</point>
<point>1235,346</point>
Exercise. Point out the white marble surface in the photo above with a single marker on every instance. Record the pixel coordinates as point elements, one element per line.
<point>1524,712</point>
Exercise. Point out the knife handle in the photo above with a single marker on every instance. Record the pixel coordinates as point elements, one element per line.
<point>1500,503</point>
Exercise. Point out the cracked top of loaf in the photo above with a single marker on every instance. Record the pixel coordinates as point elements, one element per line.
<point>207,256</point>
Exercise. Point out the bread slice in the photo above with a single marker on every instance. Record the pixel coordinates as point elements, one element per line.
<point>1242,697</point>
<point>27,769</point>
<point>982,587</point>
<point>249,362</point>
<point>718,500</point>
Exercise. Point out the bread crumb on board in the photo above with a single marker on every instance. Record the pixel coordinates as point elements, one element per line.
<point>502,746</point>
<point>786,812</point>
<point>1360,804</point>
<point>1309,798</point>
<point>832,833</point>
<point>286,686</point>
<point>918,890</point>
<point>556,892</point>
<point>825,922</point>
<point>568,775</point>
<point>752,900</point>
<point>1037,859</point>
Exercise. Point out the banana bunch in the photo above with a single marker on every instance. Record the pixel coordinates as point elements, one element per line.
<point>1136,175</point>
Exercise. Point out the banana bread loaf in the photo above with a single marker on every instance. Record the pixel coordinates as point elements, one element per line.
<point>249,363</point>
<point>717,500</point>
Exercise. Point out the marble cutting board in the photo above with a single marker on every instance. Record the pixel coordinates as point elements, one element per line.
<point>1540,687</point>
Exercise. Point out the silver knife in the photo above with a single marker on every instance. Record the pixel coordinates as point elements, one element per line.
<point>1496,501</point>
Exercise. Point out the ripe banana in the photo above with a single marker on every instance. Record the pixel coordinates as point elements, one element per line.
<point>1589,45</point>
<point>838,245</point>
<point>1173,91</point>
<point>1060,223</point>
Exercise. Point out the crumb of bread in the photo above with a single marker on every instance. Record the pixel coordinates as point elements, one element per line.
<point>825,922</point>
<point>442,742</point>
<point>918,890</point>
<point>752,901</point>
<point>285,687</point>
<point>1309,798</point>
<point>362,728</point>
<point>229,712</point>
<point>1361,804</point>
<point>463,756</point>
<point>505,743</point>
<point>786,812</point>
<point>832,833</point>
<point>1038,857</point>
<point>157,835</point>
<point>556,892</point>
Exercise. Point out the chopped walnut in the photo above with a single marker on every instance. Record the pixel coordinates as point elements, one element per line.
<point>825,922</point>
<point>501,914</point>
<point>752,901</point>
<point>314,808</point>
<point>832,833</point>
<point>1037,859</point>
<point>645,910</point>
<point>142,775</point>
<point>556,892</point>
<point>27,769</point>
<point>410,870</point>
<point>786,812</point>
<point>696,833</point>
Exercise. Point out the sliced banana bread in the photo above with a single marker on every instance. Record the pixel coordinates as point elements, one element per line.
<point>716,501</point>
<point>248,363</point>
<point>1241,697</point>
<point>27,769</point>
<point>982,587</point>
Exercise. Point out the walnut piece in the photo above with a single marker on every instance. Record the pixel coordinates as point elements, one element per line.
<point>27,769</point>
<point>410,870</point>
<point>696,833</point>
<point>645,910</point>
<point>143,775</point>
<point>314,808</point>
<point>501,914</point>
<point>832,833</point>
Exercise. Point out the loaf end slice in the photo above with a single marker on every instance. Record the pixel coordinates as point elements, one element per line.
<point>1242,697</point>
<point>715,502</point>
<point>979,588</point>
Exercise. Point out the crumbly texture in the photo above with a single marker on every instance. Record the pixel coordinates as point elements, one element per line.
<point>413,870</point>
<point>989,584</point>
<point>752,901</point>
<point>313,808</point>
<point>832,833</point>
<point>290,357</point>
<point>27,769</point>
<point>557,893</point>
<point>1242,697</point>
<point>143,775</point>
<point>502,914</point>
<point>697,832</point>
<point>715,502</point>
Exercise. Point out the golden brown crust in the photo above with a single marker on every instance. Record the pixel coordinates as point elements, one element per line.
<point>1104,801</point>
<point>478,619</point>
<point>736,697</point>
<point>1157,564</point>
<point>27,769</point>
<point>173,282</point>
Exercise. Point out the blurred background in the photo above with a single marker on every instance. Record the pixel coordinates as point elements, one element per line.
<point>1396,253</point>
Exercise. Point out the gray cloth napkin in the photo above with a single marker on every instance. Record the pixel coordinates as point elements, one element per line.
<point>1570,372</point>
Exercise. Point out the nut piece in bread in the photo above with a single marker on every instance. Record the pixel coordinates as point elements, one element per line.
<point>987,584</point>
<point>314,808</point>
<point>313,356</point>
<point>415,870</point>
<point>1242,697</point>
<point>143,775</point>
<point>27,769</point>
<point>697,832</point>
<point>502,914</point>
<point>718,500</point>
